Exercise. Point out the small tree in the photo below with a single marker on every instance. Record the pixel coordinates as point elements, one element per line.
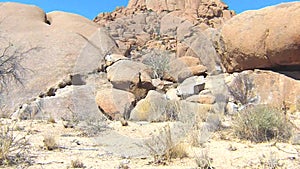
<point>10,68</point>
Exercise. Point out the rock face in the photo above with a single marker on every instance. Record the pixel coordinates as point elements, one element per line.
<point>75,23</point>
<point>70,102</point>
<point>266,87</point>
<point>45,53</point>
<point>266,38</point>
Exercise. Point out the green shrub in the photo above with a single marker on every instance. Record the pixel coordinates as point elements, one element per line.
<point>262,123</point>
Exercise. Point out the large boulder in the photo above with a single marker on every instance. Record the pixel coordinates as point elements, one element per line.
<point>265,38</point>
<point>264,87</point>
<point>185,67</point>
<point>200,44</point>
<point>126,74</point>
<point>115,103</point>
<point>69,103</point>
<point>152,108</point>
<point>156,108</point>
<point>71,22</point>
<point>45,53</point>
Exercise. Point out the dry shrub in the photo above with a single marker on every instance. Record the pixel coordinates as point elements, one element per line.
<point>77,164</point>
<point>159,63</point>
<point>13,147</point>
<point>262,123</point>
<point>50,142</point>
<point>163,149</point>
<point>179,151</point>
<point>51,120</point>
<point>203,161</point>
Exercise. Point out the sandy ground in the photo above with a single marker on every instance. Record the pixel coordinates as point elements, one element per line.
<point>119,145</point>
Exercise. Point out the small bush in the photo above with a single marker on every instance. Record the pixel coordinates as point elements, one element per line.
<point>262,123</point>
<point>77,164</point>
<point>13,147</point>
<point>179,151</point>
<point>51,120</point>
<point>159,63</point>
<point>160,146</point>
<point>203,161</point>
<point>94,126</point>
<point>163,148</point>
<point>50,142</point>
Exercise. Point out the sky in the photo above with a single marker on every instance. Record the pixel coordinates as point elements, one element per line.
<point>91,9</point>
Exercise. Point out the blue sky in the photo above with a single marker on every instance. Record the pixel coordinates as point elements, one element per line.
<point>90,9</point>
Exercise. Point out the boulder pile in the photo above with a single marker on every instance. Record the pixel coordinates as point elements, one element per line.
<point>151,61</point>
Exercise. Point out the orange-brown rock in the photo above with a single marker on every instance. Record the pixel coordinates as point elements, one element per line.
<point>114,102</point>
<point>267,87</point>
<point>185,67</point>
<point>265,38</point>
<point>212,13</point>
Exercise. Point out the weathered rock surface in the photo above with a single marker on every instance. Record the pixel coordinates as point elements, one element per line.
<point>72,23</point>
<point>267,87</point>
<point>115,103</point>
<point>200,44</point>
<point>265,38</point>
<point>185,67</point>
<point>70,102</point>
<point>45,51</point>
<point>191,86</point>
<point>156,108</point>
<point>152,108</point>
<point>125,74</point>
<point>202,99</point>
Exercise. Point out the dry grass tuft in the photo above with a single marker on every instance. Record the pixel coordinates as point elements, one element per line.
<point>77,164</point>
<point>203,161</point>
<point>51,120</point>
<point>50,142</point>
<point>163,148</point>
<point>179,151</point>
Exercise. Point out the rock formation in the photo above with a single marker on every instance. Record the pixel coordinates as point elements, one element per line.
<point>211,13</point>
<point>176,55</point>
<point>50,53</point>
